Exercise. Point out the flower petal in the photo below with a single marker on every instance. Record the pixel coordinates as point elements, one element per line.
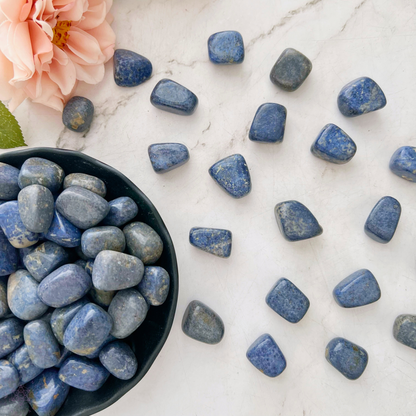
<point>94,16</point>
<point>76,12</point>
<point>6,71</point>
<point>41,45</point>
<point>91,74</point>
<point>106,38</point>
<point>50,94</point>
<point>12,9</point>
<point>85,46</point>
<point>63,75</point>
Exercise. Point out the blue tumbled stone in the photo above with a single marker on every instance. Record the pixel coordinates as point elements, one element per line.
<point>155,285</point>
<point>232,174</point>
<point>4,306</point>
<point>97,239</point>
<point>63,232</point>
<point>14,405</point>
<point>266,356</point>
<point>404,330</point>
<point>78,114</point>
<point>11,336</point>
<point>130,68</point>
<point>165,157</point>
<point>225,48</point>
<point>269,124</point>
<point>212,240</point>
<point>288,301</point>
<point>9,256</point>
<point>122,210</point>
<point>102,297</point>
<point>358,289</point>
<point>334,145</point>
<point>96,352</point>
<point>65,354</point>
<point>9,186</point>
<point>119,360</point>
<point>360,96</point>
<point>24,365</point>
<point>89,266</point>
<point>403,163</point>
<point>174,98</point>
<point>89,182</point>
<point>9,378</point>
<point>348,358</point>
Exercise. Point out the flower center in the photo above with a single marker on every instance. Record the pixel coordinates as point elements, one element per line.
<point>60,33</point>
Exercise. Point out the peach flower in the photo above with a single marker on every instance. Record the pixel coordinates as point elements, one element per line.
<point>47,46</point>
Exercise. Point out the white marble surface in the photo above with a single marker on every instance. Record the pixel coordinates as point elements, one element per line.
<point>344,39</point>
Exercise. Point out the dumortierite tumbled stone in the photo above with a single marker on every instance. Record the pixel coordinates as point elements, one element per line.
<point>41,344</point>
<point>22,295</point>
<point>9,378</point>
<point>266,356</point>
<point>404,330</point>
<point>63,232</point>
<point>155,285</point>
<point>9,186</point>
<point>4,306</point>
<point>97,351</point>
<point>78,114</point>
<point>403,163</point>
<point>269,124</point>
<point>290,70</point>
<point>37,170</point>
<point>334,145</point>
<point>232,174</point>
<point>89,182</point>
<point>98,239</point>
<point>24,365</point>
<point>83,374</point>
<point>358,289</point>
<point>143,242</point>
<point>9,256</point>
<point>11,336</point>
<point>65,354</point>
<point>128,310</point>
<point>14,405</point>
<point>296,222</point>
<point>122,210</point>
<point>225,48</point>
<point>130,68</point>
<point>212,240</point>
<point>88,330</point>
<point>46,393</point>
<point>202,324</point>
<point>382,222</point>
<point>288,301</point>
<point>64,286</point>
<point>102,297</point>
<point>348,358</point>
<point>174,98</point>
<point>81,207</point>
<point>165,157</point>
<point>119,360</point>
<point>361,96</point>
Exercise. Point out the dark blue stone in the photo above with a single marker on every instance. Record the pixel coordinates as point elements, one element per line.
<point>4,306</point>
<point>63,232</point>
<point>65,354</point>
<point>404,330</point>
<point>11,336</point>
<point>288,301</point>
<point>119,360</point>
<point>97,351</point>
<point>360,96</point>
<point>266,356</point>
<point>122,210</point>
<point>225,48</point>
<point>24,365</point>
<point>212,240</point>
<point>348,358</point>
<point>232,174</point>
<point>170,96</point>
<point>83,264</point>
<point>296,222</point>
<point>14,405</point>
<point>102,238</point>
<point>165,157</point>
<point>403,163</point>
<point>83,374</point>
<point>155,285</point>
<point>290,70</point>
<point>269,124</point>
<point>9,256</point>
<point>358,289</point>
<point>382,222</point>
<point>334,145</point>
<point>78,114</point>
<point>89,182</point>
<point>9,378</point>
<point>130,68</point>
<point>102,297</point>
<point>9,186</point>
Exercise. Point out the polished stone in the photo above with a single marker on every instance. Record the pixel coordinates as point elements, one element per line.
<point>89,182</point>
<point>225,48</point>
<point>78,114</point>
<point>165,157</point>
<point>65,354</point>
<point>11,336</point>
<point>122,210</point>
<point>130,68</point>
<point>119,360</point>
<point>4,306</point>
<point>96,352</point>
<point>24,365</point>
<point>404,330</point>
<point>9,378</point>
<point>212,240</point>
<point>155,285</point>
<point>63,232</point>
<point>9,256</point>
<point>14,405</point>
<point>403,163</point>
<point>102,298</point>
<point>97,239</point>
<point>269,124</point>
<point>9,185</point>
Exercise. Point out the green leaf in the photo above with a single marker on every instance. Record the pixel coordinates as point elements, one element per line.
<point>10,132</point>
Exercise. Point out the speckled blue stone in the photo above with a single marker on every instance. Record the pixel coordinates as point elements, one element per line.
<point>269,124</point>
<point>119,360</point>
<point>102,297</point>
<point>348,358</point>
<point>88,330</point>
<point>22,295</point>
<point>225,48</point>
<point>37,170</point>
<point>41,344</point>
<point>11,336</point>
<point>334,145</point>
<point>155,285</point>
<point>165,157</point>
<point>46,393</point>
<point>102,238</point>
<point>11,224</point>
<point>290,70</point>
<point>288,301</point>
<point>4,306</point>
<point>9,186</point>
<point>358,289</point>
<point>296,222</point>
<point>128,310</point>
<point>14,405</point>
<point>174,98</point>
<point>63,232</point>
<point>64,286</point>
<point>122,210</point>
<point>78,114</point>
<point>9,256</point>
<point>212,240</point>
<point>130,68</point>
<point>404,330</point>
<point>65,354</point>
<point>24,365</point>
<point>89,182</point>
<point>266,356</point>
<point>97,351</point>
<point>44,259</point>
<point>83,374</point>
<point>382,222</point>
<point>232,174</point>
<point>9,378</point>
<point>403,163</point>
<point>360,96</point>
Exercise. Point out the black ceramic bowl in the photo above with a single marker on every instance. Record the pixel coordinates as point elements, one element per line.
<point>149,338</point>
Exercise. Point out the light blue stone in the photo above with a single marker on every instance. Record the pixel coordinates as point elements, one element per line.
<point>155,285</point>
<point>122,210</point>
<point>269,124</point>
<point>24,365</point>
<point>212,240</point>
<point>14,405</point>
<point>9,186</point>
<point>225,48</point>
<point>65,354</point>
<point>404,330</point>
<point>119,360</point>
<point>78,114</point>
<point>9,378</point>
<point>97,239</point>
<point>130,68</point>
<point>165,157</point>
<point>9,256</point>
<point>89,182</point>
<point>63,232</point>
<point>11,336</point>
<point>403,163</point>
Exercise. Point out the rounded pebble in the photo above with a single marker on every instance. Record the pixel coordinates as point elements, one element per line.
<point>24,365</point>
<point>130,68</point>
<point>9,186</point>
<point>155,285</point>
<point>9,257</point>
<point>78,114</point>
<point>11,336</point>
<point>9,378</point>
<point>119,360</point>
<point>63,232</point>
<point>89,182</point>
<point>98,239</point>
<point>14,405</point>
<point>122,210</point>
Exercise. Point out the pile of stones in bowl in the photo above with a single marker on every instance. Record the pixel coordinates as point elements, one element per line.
<point>69,293</point>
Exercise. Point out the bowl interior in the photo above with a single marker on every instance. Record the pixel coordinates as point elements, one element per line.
<point>149,338</point>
